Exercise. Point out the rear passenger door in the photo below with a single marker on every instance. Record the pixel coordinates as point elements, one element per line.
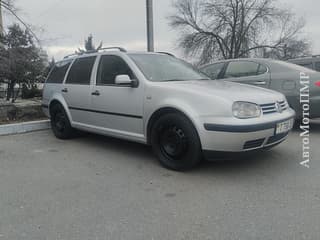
<point>247,72</point>
<point>117,109</point>
<point>77,89</point>
<point>55,80</point>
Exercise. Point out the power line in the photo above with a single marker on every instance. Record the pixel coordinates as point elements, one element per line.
<point>1,21</point>
<point>8,8</point>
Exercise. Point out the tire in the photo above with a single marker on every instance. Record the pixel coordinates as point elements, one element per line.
<point>175,142</point>
<point>60,123</point>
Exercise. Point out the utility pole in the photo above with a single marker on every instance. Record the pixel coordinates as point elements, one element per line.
<point>150,33</point>
<point>1,22</point>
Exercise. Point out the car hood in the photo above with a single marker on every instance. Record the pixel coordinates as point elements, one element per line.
<point>229,90</point>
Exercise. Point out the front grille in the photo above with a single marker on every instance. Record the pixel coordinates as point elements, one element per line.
<point>254,144</point>
<point>270,108</point>
<point>276,138</point>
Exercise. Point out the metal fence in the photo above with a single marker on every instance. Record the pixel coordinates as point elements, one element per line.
<point>3,92</point>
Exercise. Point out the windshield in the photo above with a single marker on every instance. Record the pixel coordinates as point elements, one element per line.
<point>162,68</point>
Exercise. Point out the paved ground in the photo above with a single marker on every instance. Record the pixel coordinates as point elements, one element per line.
<point>100,188</point>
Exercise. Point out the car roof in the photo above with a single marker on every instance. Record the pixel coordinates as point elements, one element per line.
<point>259,60</point>
<point>273,64</point>
<point>71,57</point>
<point>305,58</point>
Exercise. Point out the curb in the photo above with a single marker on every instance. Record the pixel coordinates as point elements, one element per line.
<point>25,127</point>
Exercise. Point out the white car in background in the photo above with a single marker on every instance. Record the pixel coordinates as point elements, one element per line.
<point>157,99</point>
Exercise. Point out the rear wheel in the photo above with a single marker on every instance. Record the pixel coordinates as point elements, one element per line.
<point>60,123</point>
<point>176,143</point>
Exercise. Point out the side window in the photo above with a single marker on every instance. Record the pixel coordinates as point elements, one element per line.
<point>111,66</point>
<point>80,72</point>
<point>241,69</point>
<point>317,66</point>
<point>213,70</point>
<point>58,72</point>
<point>307,65</point>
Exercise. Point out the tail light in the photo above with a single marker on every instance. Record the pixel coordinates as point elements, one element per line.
<point>317,83</point>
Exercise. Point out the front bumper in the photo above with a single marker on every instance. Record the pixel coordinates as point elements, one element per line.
<point>235,137</point>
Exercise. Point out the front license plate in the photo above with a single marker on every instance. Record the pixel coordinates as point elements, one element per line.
<point>284,127</point>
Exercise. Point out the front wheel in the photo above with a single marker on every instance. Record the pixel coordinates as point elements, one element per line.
<point>176,143</point>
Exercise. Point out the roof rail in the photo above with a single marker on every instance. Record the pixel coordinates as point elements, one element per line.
<point>167,53</point>
<point>71,55</point>
<point>95,51</point>
<point>121,49</point>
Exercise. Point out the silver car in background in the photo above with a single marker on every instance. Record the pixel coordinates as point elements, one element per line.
<point>157,99</point>
<point>272,74</point>
<point>311,62</point>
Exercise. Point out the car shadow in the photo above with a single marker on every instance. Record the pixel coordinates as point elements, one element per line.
<point>245,162</point>
<point>141,156</point>
<point>314,126</point>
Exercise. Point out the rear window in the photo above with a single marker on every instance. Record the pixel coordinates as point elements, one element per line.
<point>80,72</point>
<point>58,72</point>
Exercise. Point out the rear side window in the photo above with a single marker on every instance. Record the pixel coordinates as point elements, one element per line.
<point>213,70</point>
<point>110,67</point>
<point>262,69</point>
<point>80,72</point>
<point>58,72</point>
<point>241,69</point>
<point>307,65</point>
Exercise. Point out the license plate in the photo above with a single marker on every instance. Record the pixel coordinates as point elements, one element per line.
<point>284,127</point>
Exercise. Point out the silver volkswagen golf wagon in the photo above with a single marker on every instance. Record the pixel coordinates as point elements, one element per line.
<point>157,99</point>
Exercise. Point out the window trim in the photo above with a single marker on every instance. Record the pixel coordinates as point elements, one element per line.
<point>71,65</point>
<point>95,83</point>
<point>70,62</point>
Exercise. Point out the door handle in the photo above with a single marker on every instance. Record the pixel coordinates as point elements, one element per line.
<point>260,83</point>
<point>96,93</point>
<point>65,90</point>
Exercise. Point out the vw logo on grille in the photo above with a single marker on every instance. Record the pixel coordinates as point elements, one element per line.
<point>278,107</point>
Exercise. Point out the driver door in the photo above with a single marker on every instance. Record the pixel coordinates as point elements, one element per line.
<point>117,109</point>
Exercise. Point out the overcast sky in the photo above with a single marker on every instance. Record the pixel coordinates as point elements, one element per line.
<point>66,23</point>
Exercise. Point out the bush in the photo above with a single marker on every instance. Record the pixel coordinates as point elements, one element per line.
<point>32,92</point>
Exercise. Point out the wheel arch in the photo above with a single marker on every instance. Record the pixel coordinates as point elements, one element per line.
<point>61,101</point>
<point>166,110</point>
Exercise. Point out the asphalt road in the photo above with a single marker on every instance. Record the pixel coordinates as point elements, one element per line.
<point>96,187</point>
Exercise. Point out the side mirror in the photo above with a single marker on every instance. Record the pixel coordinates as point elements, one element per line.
<point>125,80</point>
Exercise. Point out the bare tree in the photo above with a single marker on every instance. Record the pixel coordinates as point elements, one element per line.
<point>216,29</point>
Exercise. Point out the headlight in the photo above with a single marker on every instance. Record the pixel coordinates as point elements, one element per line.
<point>246,110</point>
